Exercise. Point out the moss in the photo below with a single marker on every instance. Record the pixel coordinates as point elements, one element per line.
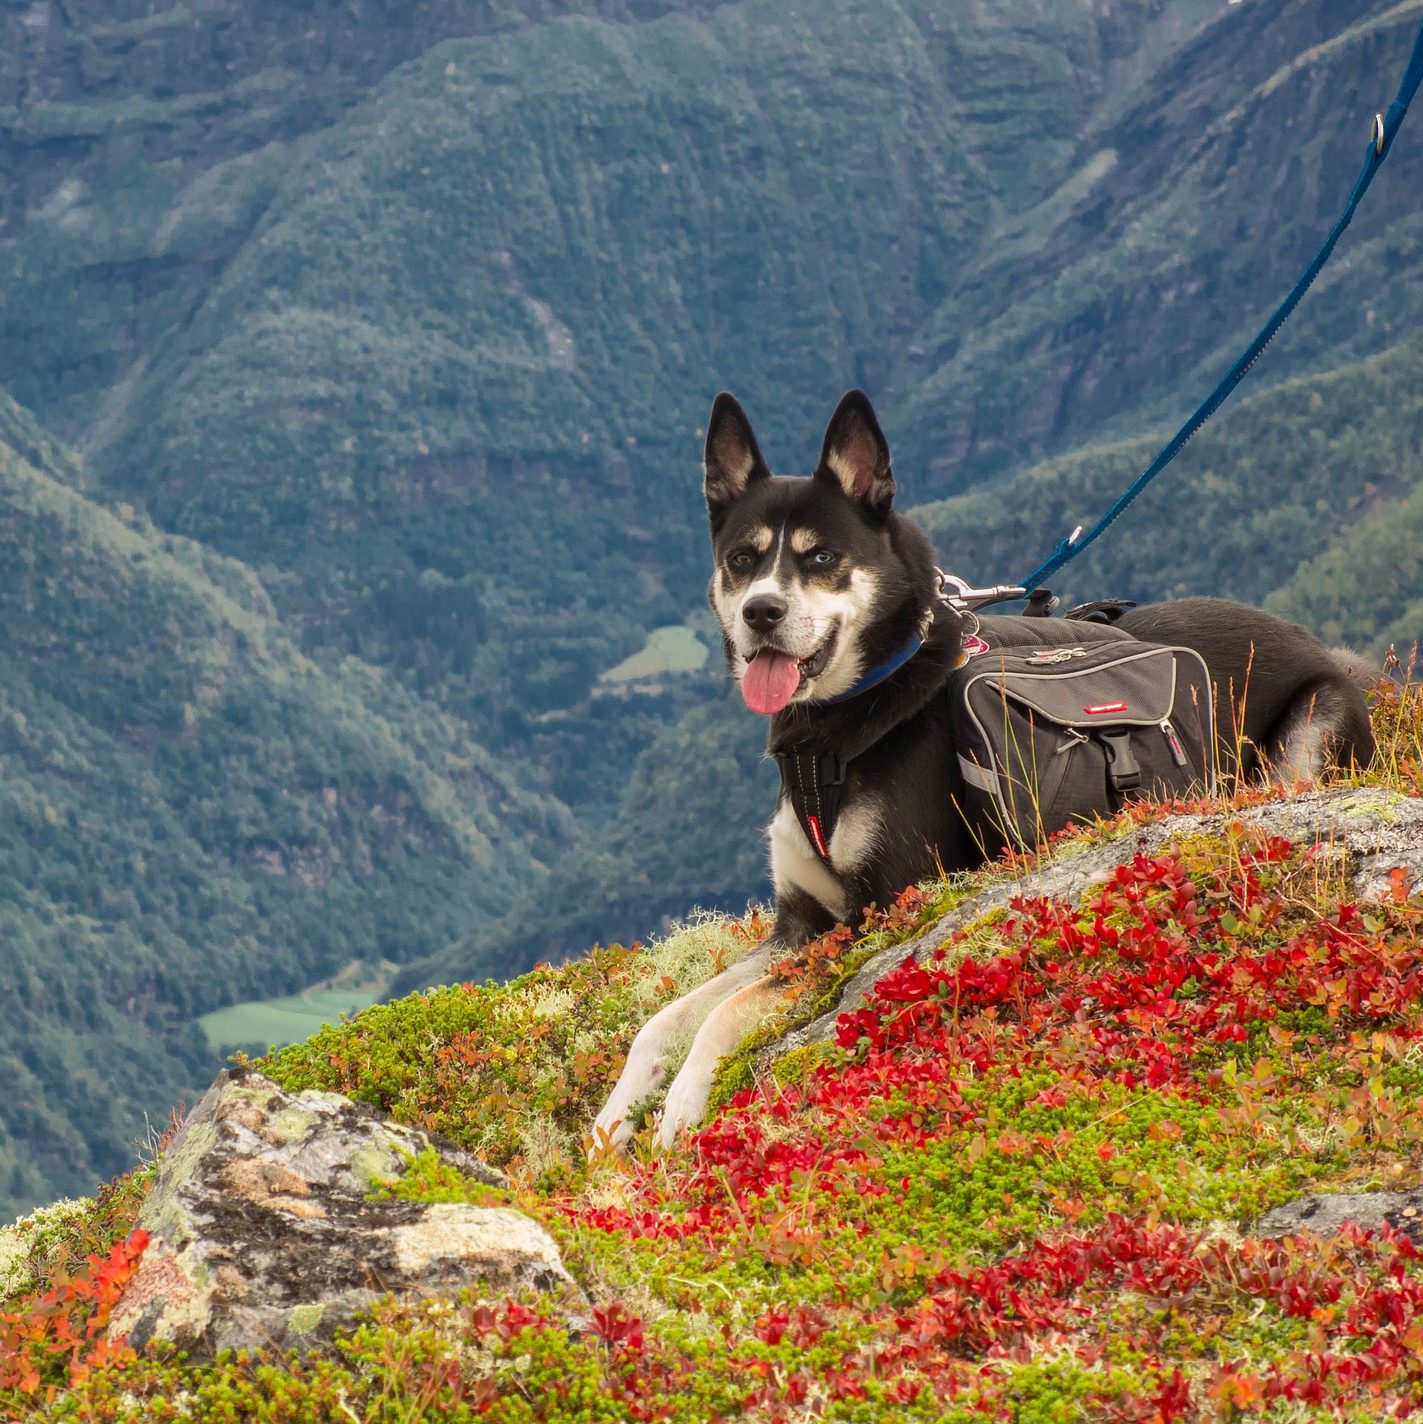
<point>292,1122</point>
<point>305,1319</point>
<point>375,1162</point>
<point>798,1064</point>
<point>428,1178</point>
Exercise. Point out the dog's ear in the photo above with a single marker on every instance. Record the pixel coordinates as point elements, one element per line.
<point>855,454</point>
<point>733,458</point>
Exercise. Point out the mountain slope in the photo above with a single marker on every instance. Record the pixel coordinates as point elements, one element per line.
<point>1184,215</point>
<point>688,831</point>
<point>193,813</point>
<point>446,355</point>
<point>1304,498</point>
<point>141,141</point>
<point>1181,220</point>
<point>474,329</point>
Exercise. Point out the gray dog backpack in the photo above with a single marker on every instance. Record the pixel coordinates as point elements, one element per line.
<point>1049,733</point>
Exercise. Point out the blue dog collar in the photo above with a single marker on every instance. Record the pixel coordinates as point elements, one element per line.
<point>877,675</point>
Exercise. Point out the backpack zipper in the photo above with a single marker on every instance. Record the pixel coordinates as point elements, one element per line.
<point>1178,754</point>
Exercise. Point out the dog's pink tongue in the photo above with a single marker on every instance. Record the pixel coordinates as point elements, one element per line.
<point>770,681</point>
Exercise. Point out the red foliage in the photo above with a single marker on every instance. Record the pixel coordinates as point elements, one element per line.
<point>58,1338</point>
<point>1159,983</point>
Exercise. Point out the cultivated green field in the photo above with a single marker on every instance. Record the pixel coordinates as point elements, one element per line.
<point>292,1018</point>
<point>672,649</point>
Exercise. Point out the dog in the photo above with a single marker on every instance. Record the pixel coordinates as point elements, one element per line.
<point>833,627</point>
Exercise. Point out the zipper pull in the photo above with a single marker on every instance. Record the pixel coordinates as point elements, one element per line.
<point>1178,754</point>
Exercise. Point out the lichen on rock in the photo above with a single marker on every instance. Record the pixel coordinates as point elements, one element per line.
<point>264,1230</point>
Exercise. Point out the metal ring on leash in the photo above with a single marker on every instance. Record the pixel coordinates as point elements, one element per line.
<point>965,600</point>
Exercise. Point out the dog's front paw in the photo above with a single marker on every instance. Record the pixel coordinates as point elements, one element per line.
<point>642,1075</point>
<point>686,1104</point>
<point>733,994</point>
<point>611,1131</point>
<point>724,1028</point>
<point>613,1127</point>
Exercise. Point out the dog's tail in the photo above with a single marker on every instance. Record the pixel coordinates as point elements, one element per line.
<point>1358,667</point>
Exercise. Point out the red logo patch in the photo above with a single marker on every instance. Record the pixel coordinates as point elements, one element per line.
<point>973,646</point>
<point>1105,707</point>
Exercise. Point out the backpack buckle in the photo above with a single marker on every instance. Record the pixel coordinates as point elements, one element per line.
<point>1123,769</point>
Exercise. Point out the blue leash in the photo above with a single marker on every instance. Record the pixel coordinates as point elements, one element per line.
<point>1385,129</point>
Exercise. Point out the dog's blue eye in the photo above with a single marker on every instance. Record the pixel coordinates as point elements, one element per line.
<point>821,557</point>
<point>741,559</point>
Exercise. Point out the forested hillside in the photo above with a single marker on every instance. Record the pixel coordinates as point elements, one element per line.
<point>687,830</point>
<point>1307,499</point>
<point>1188,208</point>
<point>478,318</point>
<point>194,813</point>
<point>363,353</point>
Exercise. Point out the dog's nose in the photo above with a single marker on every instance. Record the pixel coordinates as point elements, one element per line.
<point>764,612</point>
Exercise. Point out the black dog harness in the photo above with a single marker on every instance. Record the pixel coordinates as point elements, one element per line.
<point>814,782</point>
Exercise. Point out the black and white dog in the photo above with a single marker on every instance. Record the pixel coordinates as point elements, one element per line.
<point>829,609</point>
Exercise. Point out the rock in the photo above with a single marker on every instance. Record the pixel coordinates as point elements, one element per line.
<point>1368,830</point>
<point>263,1233</point>
<point>1325,1213</point>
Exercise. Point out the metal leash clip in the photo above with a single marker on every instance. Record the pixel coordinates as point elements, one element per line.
<point>963,598</point>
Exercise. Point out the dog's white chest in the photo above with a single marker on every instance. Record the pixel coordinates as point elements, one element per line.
<point>795,865</point>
